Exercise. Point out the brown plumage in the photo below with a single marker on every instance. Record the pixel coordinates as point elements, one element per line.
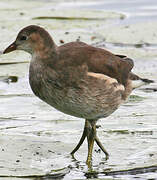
<point>76,78</point>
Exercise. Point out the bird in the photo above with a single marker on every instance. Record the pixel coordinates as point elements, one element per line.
<point>77,79</point>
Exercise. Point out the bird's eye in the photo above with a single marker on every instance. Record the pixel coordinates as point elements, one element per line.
<point>23,38</point>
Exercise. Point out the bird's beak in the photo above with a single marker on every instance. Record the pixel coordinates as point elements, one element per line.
<point>10,48</point>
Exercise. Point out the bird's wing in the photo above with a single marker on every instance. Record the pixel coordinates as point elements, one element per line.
<point>102,61</point>
<point>98,60</point>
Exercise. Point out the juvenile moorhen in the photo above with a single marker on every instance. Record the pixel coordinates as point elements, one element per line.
<point>76,78</point>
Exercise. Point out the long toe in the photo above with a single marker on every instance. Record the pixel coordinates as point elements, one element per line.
<point>84,135</point>
<point>101,147</point>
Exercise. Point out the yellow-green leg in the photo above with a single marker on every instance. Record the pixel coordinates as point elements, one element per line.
<point>90,133</point>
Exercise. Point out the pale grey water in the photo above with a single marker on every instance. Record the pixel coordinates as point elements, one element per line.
<point>135,10</point>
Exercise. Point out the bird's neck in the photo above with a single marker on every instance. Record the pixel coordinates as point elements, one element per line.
<point>43,47</point>
<point>45,53</point>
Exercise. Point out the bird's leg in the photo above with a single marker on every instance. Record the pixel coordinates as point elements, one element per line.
<point>90,132</point>
<point>91,135</point>
<point>84,135</point>
<point>101,147</point>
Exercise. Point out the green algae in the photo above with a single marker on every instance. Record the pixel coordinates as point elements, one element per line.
<point>136,98</point>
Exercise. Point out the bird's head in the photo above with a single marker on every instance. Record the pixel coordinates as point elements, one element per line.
<point>32,39</point>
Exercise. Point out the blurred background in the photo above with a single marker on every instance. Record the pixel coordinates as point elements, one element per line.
<point>35,139</point>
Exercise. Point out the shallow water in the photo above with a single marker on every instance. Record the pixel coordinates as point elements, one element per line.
<point>35,139</point>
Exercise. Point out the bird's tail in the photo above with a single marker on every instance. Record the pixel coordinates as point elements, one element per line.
<point>138,81</point>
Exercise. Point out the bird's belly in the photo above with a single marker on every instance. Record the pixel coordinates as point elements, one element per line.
<point>86,102</point>
<point>84,106</point>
